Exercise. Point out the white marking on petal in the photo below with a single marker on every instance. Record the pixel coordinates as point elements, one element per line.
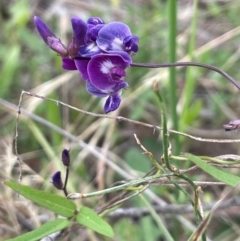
<point>92,47</point>
<point>106,66</point>
<point>117,44</point>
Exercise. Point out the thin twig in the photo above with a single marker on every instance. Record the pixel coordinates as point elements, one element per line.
<point>117,118</point>
<point>16,141</point>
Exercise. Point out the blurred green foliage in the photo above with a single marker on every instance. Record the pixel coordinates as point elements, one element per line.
<point>26,62</point>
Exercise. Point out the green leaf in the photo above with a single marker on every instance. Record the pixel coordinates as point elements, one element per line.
<point>219,174</point>
<point>43,231</point>
<point>88,218</point>
<point>53,202</point>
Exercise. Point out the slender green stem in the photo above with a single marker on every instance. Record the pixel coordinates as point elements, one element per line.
<point>190,82</point>
<point>164,127</point>
<point>172,13</point>
<point>118,188</point>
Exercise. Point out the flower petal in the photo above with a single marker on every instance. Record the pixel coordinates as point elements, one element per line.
<point>95,21</point>
<point>49,37</point>
<point>112,102</point>
<point>68,64</point>
<point>119,86</point>
<point>92,33</point>
<point>79,31</point>
<point>82,64</point>
<point>111,36</point>
<point>130,44</point>
<point>94,91</point>
<point>102,69</point>
<point>89,50</point>
<point>43,29</point>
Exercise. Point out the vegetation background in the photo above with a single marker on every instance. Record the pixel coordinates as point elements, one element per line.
<point>207,32</point>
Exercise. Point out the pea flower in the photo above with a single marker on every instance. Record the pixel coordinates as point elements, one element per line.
<point>100,52</point>
<point>117,36</point>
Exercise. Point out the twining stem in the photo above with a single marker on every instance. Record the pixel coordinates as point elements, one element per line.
<point>186,64</point>
<point>119,187</point>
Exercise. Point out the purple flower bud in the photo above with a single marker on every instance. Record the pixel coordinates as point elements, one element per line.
<point>232,125</point>
<point>95,21</point>
<point>49,37</point>
<point>57,181</point>
<point>65,157</point>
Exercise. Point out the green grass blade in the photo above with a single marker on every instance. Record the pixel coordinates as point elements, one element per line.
<point>88,218</point>
<point>172,13</point>
<point>219,174</point>
<point>9,68</point>
<point>53,202</point>
<point>43,231</point>
<point>191,79</point>
<point>157,219</point>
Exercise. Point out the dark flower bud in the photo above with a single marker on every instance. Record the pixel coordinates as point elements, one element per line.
<point>65,157</point>
<point>232,125</point>
<point>50,38</point>
<point>57,181</point>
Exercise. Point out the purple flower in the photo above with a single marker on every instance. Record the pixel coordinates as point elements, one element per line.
<point>106,74</point>
<point>79,32</point>
<point>65,157</point>
<point>57,181</point>
<point>107,70</point>
<point>90,48</point>
<point>100,52</point>
<point>49,37</point>
<point>117,36</point>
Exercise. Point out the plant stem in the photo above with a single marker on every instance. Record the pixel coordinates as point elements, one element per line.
<point>190,81</point>
<point>172,13</point>
<point>65,183</point>
<point>186,64</point>
<point>164,127</point>
<point>118,188</point>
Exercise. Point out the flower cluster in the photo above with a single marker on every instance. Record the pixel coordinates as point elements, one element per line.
<point>100,52</point>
